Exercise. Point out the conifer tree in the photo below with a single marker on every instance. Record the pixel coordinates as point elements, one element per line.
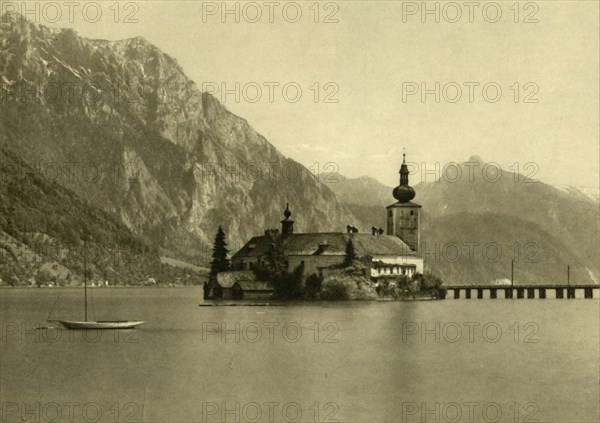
<point>220,262</point>
<point>350,254</point>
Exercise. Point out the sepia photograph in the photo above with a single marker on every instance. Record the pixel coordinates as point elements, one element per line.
<point>310,211</point>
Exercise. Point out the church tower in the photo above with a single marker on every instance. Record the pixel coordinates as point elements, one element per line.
<point>287,224</point>
<point>404,217</point>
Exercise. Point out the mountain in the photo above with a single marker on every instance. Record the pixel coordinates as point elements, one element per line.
<point>42,228</point>
<point>541,227</point>
<point>118,127</point>
<point>365,196</point>
<point>119,124</point>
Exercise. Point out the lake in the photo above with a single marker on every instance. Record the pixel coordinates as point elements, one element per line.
<point>435,361</point>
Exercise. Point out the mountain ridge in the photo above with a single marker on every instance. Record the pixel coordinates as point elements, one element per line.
<point>134,108</point>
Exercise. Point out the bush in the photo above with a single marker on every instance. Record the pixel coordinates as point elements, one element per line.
<point>347,284</point>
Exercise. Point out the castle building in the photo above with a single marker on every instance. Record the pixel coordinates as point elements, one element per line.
<point>395,253</point>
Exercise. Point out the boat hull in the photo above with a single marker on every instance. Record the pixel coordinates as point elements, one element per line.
<point>106,324</point>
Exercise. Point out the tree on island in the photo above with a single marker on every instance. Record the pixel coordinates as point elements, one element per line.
<point>275,264</point>
<point>220,262</point>
<point>350,254</point>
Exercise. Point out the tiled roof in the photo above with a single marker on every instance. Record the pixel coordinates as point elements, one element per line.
<point>257,246</point>
<point>328,243</point>
<point>332,243</point>
<point>379,245</point>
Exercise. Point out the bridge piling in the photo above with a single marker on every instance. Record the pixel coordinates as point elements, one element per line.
<point>523,291</point>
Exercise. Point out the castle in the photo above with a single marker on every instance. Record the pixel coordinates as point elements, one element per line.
<point>398,252</point>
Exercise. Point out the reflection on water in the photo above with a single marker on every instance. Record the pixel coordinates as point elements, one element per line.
<point>453,360</point>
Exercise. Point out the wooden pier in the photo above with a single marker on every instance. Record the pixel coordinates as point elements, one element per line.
<point>522,291</point>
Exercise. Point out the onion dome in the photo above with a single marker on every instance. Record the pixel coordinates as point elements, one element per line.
<point>404,192</point>
<point>287,213</point>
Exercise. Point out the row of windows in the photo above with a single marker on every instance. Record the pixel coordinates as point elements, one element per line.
<point>394,271</point>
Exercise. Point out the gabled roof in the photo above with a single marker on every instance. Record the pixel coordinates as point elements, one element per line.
<point>332,243</point>
<point>328,244</point>
<point>257,246</point>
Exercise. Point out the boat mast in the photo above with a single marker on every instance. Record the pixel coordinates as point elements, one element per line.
<point>85,279</point>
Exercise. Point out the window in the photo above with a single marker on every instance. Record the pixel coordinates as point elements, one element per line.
<point>412,212</point>
<point>390,214</point>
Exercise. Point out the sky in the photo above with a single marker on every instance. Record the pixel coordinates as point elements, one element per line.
<point>354,73</point>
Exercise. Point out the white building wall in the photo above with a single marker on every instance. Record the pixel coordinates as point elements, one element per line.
<point>402,260</point>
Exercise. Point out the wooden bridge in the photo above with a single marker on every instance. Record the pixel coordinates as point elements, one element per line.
<point>522,291</point>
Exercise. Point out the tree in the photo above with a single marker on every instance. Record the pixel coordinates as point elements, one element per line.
<point>350,254</point>
<point>313,286</point>
<point>220,262</point>
<point>288,286</point>
<point>275,263</point>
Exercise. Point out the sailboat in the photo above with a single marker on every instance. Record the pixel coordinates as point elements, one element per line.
<point>95,324</point>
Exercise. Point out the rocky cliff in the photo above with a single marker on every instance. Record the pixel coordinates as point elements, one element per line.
<point>120,124</point>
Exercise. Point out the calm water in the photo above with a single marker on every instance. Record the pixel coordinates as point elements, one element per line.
<point>352,362</point>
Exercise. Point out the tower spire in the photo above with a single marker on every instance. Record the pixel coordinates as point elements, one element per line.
<point>404,192</point>
<point>287,224</point>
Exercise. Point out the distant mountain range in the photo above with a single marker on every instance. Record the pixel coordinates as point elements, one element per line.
<point>542,228</point>
<point>112,135</point>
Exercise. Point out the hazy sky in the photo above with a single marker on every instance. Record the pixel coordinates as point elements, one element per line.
<point>365,60</point>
